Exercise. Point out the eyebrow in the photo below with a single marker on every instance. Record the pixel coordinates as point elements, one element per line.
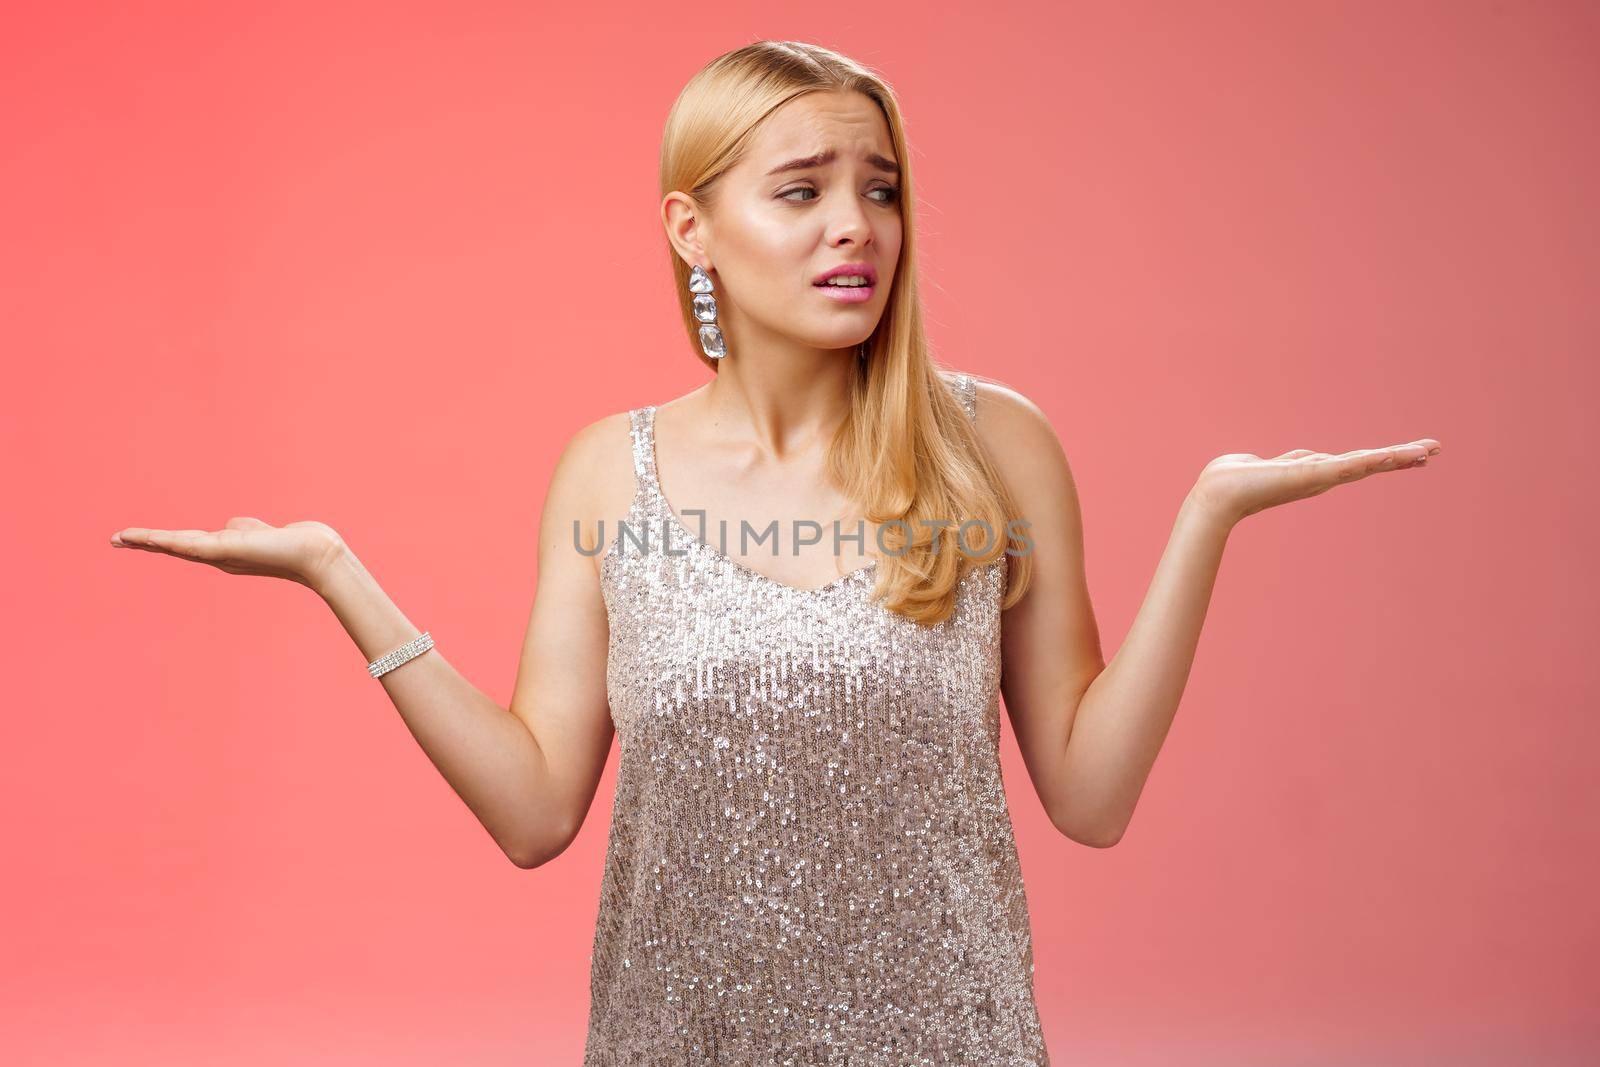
<point>829,156</point>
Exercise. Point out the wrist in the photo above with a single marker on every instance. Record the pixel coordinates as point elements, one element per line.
<point>1203,508</point>
<point>335,569</point>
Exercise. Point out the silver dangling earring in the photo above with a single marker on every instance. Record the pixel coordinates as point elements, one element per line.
<point>712,342</point>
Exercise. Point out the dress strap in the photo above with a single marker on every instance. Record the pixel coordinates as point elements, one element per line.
<point>967,389</point>
<point>642,429</point>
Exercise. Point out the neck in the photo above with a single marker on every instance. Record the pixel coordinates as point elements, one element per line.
<point>786,394</point>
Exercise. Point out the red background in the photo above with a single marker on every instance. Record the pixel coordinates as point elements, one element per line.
<point>374,264</point>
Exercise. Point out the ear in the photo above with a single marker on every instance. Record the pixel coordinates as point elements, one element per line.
<point>686,228</point>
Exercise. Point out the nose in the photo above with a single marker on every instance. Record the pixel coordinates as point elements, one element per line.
<point>849,224</point>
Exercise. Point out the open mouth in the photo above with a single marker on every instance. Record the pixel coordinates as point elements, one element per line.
<point>848,289</point>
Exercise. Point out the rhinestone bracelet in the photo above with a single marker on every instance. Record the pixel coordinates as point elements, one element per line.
<point>408,651</point>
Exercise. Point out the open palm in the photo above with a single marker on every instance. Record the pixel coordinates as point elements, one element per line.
<point>298,552</point>
<point>1242,483</point>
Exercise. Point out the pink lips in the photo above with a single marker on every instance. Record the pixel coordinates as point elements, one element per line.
<point>847,295</point>
<point>855,294</point>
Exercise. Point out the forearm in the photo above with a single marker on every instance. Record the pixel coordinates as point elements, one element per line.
<point>1124,715</point>
<point>488,755</point>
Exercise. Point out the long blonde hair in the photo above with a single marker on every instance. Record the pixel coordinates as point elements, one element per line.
<point>907,451</point>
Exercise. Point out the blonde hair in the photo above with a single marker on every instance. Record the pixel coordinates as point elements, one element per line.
<point>907,451</point>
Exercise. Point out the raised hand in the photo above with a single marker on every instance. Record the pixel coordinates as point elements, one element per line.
<point>299,552</point>
<point>1243,484</point>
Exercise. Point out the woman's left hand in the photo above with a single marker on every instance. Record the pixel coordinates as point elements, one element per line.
<point>1243,484</point>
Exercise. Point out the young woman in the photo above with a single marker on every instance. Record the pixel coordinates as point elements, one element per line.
<point>810,853</point>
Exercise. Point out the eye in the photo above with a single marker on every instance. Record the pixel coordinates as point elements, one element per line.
<point>892,194</point>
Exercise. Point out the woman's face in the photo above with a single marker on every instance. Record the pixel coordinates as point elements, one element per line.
<point>818,189</point>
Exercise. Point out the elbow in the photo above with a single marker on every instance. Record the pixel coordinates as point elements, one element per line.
<point>1102,839</point>
<point>1094,835</point>
<point>531,854</point>
<point>528,858</point>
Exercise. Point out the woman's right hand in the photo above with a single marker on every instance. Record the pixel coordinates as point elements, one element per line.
<point>300,552</point>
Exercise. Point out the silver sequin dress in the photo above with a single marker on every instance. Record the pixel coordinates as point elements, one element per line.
<point>810,857</point>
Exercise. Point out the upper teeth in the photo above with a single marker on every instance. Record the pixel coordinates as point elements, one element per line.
<point>846,279</point>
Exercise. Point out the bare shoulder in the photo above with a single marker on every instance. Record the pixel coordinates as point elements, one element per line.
<point>597,443</point>
<point>1018,434</point>
<point>593,482</point>
<point>1028,455</point>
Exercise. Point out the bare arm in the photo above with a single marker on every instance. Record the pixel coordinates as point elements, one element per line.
<point>1122,718</point>
<point>1088,731</point>
<point>527,772</point>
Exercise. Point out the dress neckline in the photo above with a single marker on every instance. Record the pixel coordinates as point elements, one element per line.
<point>711,551</point>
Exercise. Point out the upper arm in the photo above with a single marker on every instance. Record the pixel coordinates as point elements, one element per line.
<point>1050,641</point>
<point>560,692</point>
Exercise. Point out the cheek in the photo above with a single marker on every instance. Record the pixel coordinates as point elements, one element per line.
<point>766,253</point>
<point>767,238</point>
<point>889,243</point>
<point>887,237</point>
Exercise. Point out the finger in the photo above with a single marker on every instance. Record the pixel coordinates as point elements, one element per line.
<point>1320,471</point>
<point>1394,457</point>
<point>189,544</point>
<point>1411,454</point>
<point>1426,446</point>
<point>197,544</point>
<point>1351,466</point>
<point>1429,448</point>
<point>144,540</point>
<point>246,522</point>
<point>131,537</point>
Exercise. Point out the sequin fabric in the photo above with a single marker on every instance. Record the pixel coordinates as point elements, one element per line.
<point>810,857</point>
